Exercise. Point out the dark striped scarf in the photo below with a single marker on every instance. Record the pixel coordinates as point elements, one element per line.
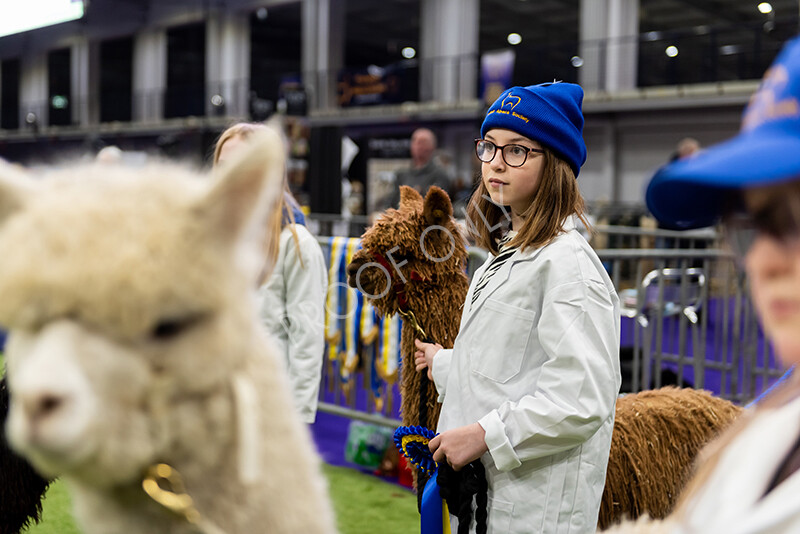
<point>494,266</point>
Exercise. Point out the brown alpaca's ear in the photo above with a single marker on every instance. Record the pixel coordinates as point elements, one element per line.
<point>410,199</point>
<point>246,190</point>
<point>437,208</point>
<point>16,186</point>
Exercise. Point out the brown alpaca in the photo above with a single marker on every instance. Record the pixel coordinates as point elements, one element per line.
<point>657,433</point>
<point>432,262</point>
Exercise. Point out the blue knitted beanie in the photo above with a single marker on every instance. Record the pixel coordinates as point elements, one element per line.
<point>549,113</point>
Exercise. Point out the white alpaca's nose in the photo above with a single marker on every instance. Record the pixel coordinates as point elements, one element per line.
<point>38,405</point>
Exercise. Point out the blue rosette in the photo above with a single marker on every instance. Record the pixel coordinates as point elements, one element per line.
<point>412,442</point>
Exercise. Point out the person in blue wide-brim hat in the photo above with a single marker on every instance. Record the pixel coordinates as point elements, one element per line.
<point>750,478</point>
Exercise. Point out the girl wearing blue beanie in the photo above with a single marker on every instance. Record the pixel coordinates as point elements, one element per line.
<point>530,386</point>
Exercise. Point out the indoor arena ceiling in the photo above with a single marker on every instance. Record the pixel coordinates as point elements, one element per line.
<point>395,23</point>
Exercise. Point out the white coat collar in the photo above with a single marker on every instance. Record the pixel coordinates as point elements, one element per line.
<point>501,276</point>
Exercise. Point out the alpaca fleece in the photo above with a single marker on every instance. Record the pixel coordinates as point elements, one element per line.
<point>134,340</point>
<point>657,435</point>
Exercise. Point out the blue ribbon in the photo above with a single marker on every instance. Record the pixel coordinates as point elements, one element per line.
<point>431,513</point>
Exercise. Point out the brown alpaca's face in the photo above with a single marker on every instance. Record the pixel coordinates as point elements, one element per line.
<point>408,248</point>
<point>382,266</point>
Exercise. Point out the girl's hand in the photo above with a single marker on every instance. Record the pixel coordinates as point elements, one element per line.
<point>459,446</point>
<point>423,357</point>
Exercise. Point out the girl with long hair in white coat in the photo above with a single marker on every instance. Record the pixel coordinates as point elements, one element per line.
<point>530,386</point>
<point>292,288</point>
<point>748,480</point>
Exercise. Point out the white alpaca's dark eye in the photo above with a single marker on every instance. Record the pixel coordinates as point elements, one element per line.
<point>167,329</point>
<point>170,328</point>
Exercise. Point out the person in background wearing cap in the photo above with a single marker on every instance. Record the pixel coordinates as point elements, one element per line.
<point>532,380</point>
<point>749,480</point>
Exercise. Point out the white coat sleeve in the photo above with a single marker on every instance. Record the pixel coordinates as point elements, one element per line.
<point>577,389</point>
<point>306,284</point>
<point>440,370</point>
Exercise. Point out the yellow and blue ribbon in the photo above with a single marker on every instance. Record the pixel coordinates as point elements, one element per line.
<point>332,312</point>
<point>412,442</point>
<point>353,300</point>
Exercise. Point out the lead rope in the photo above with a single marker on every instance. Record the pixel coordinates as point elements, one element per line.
<point>422,420</point>
<point>457,488</point>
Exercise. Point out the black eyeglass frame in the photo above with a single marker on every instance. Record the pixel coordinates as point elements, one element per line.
<point>778,220</point>
<point>502,149</point>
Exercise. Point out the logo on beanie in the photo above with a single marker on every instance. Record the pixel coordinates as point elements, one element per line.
<point>764,106</point>
<point>510,101</point>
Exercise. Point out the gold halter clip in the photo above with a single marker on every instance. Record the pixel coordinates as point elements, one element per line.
<point>174,498</point>
<point>409,316</point>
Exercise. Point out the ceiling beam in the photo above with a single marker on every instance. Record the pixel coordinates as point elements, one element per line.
<point>717,10</point>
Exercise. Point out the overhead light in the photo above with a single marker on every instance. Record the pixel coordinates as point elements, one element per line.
<point>652,36</point>
<point>262,13</point>
<point>514,38</point>
<point>408,52</point>
<point>59,102</point>
<point>577,61</point>
<point>728,50</point>
<point>765,7</point>
<point>374,70</point>
<point>671,51</point>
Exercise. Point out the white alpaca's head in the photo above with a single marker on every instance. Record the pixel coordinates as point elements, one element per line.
<point>127,293</point>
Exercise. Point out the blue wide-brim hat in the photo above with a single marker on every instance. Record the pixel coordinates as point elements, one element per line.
<point>692,193</point>
<point>549,113</point>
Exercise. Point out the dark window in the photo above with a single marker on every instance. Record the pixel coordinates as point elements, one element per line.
<point>9,92</point>
<point>186,71</point>
<point>378,36</point>
<point>376,71</point>
<point>116,79</point>
<point>548,30</point>
<point>275,43</point>
<point>59,87</point>
<point>684,42</point>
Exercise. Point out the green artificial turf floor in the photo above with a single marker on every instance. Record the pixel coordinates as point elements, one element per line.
<point>363,504</point>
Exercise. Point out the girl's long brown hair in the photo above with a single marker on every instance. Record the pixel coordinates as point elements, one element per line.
<point>556,198</point>
<point>276,222</point>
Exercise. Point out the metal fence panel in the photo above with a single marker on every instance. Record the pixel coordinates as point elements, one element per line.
<point>686,316</point>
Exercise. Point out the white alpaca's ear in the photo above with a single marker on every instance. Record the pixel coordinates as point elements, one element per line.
<point>16,186</point>
<point>245,192</point>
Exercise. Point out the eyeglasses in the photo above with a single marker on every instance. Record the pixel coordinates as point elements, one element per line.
<point>779,221</point>
<point>513,155</point>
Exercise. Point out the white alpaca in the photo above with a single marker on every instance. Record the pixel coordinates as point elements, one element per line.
<point>134,341</point>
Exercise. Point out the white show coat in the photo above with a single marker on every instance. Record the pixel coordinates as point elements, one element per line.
<point>536,363</point>
<point>292,308</point>
<point>731,500</point>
